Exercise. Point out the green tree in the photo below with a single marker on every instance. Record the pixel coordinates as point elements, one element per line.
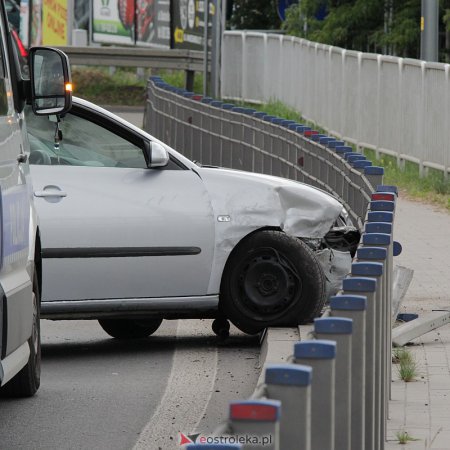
<point>384,26</point>
<point>255,15</point>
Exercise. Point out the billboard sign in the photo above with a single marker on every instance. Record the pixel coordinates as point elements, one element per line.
<point>54,22</point>
<point>113,21</point>
<point>153,23</point>
<point>188,23</point>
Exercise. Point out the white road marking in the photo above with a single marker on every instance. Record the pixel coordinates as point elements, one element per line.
<point>187,393</point>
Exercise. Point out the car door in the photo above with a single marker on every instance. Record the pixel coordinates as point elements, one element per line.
<point>111,227</point>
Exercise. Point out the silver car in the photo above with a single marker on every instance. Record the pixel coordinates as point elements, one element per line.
<point>133,232</point>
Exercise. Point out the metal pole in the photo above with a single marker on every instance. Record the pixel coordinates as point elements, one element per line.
<point>216,49</point>
<point>205,48</point>
<point>429,31</point>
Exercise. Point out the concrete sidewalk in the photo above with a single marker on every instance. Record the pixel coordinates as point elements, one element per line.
<point>422,407</point>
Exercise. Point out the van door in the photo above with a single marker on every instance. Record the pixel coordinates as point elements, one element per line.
<point>15,284</point>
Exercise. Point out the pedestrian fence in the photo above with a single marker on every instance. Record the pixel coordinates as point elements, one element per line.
<point>333,392</point>
<point>395,106</point>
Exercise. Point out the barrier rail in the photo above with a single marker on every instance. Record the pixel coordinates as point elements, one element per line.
<point>334,393</point>
<point>217,133</point>
<point>189,60</point>
<point>396,106</point>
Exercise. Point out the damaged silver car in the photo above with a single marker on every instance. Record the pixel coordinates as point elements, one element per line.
<point>133,233</point>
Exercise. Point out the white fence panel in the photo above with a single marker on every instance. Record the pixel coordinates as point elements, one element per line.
<point>368,101</point>
<point>396,106</point>
<point>411,110</point>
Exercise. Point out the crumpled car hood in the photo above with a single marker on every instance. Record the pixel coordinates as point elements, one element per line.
<point>258,200</point>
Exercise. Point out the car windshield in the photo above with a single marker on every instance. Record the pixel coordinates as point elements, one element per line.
<point>83,143</point>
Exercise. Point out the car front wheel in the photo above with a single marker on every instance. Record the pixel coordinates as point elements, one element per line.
<point>272,279</point>
<point>129,328</point>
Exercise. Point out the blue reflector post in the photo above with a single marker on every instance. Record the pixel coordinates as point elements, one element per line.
<point>387,188</point>
<point>315,349</point>
<point>374,170</point>
<point>359,284</point>
<point>288,375</point>
<point>334,144</point>
<point>228,106</point>
<point>351,157</point>
<point>380,216</point>
<point>377,253</point>
<point>382,205</point>
<point>367,269</point>
<point>397,248</point>
<point>378,227</point>
<point>341,148</point>
<point>361,163</point>
<point>333,325</point>
<point>376,239</point>
<point>348,302</point>
<point>259,114</point>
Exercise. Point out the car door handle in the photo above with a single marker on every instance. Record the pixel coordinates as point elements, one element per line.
<point>50,194</point>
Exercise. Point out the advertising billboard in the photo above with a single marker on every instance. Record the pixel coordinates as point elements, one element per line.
<point>188,23</point>
<point>113,21</point>
<point>54,22</point>
<point>153,23</point>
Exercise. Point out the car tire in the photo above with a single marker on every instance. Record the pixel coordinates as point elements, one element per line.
<point>271,279</point>
<point>129,328</point>
<point>27,381</point>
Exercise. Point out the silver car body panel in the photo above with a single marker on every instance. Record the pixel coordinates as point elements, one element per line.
<point>210,209</point>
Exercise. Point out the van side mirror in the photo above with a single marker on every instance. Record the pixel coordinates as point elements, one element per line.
<point>51,83</point>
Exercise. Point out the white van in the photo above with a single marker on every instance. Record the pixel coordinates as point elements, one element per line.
<point>49,92</point>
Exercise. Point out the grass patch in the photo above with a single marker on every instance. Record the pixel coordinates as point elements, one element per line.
<point>403,437</point>
<point>432,188</point>
<point>98,85</point>
<point>407,365</point>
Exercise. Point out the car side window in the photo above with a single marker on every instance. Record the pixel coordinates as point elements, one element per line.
<point>84,143</point>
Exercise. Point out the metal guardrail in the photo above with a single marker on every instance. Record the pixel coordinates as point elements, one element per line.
<point>334,392</point>
<point>216,133</point>
<point>189,60</point>
<point>395,106</point>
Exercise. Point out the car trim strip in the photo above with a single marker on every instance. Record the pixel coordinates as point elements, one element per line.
<point>118,252</point>
<point>168,307</point>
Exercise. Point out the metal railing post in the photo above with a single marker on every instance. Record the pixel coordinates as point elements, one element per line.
<point>354,307</point>
<point>340,330</point>
<point>367,288</point>
<point>291,384</point>
<point>257,419</point>
<point>375,270</point>
<point>320,355</point>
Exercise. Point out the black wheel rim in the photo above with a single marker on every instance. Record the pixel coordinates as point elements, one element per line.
<point>266,284</point>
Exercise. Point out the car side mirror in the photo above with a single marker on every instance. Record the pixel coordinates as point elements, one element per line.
<point>156,155</point>
<point>51,83</point>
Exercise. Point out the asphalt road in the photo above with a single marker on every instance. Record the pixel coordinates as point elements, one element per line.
<point>100,393</point>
